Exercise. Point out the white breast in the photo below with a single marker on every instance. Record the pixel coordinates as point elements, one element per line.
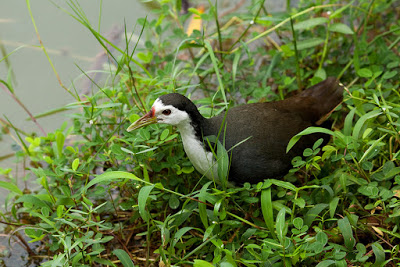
<point>202,160</point>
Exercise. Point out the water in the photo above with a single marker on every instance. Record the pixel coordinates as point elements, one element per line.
<point>68,43</point>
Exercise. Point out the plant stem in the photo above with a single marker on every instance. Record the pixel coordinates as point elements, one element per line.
<point>248,27</point>
<point>308,10</point>
<point>45,51</point>
<point>298,76</point>
<point>24,107</point>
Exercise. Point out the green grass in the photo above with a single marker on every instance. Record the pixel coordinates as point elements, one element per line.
<point>108,197</point>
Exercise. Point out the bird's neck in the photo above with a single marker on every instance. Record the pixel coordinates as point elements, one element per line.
<point>200,157</point>
<point>193,126</point>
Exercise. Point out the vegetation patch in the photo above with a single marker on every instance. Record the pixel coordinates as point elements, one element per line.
<point>103,196</point>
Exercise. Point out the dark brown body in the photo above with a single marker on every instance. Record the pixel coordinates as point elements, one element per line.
<point>270,126</point>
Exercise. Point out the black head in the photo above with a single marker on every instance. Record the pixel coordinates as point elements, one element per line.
<point>182,103</point>
<point>173,109</point>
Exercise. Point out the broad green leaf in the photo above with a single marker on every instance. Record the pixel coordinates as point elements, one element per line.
<point>310,23</point>
<point>201,263</point>
<point>326,263</point>
<point>35,234</point>
<point>322,238</point>
<point>145,57</point>
<point>392,172</point>
<point>388,166</point>
<point>60,139</point>
<point>300,202</point>
<point>194,11</point>
<point>187,169</point>
<point>298,222</point>
<point>11,187</point>
<point>364,73</point>
<point>123,257</point>
<point>340,27</point>
<point>379,254</point>
<point>60,211</point>
<point>347,232</point>
<point>228,261</point>
<point>172,136</point>
<point>164,134</point>
<point>173,202</point>
<point>389,74</point>
<point>142,200</point>
<point>75,164</point>
<point>321,74</point>
<point>332,206</point>
<point>134,117</point>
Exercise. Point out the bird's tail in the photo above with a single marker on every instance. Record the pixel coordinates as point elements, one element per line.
<point>330,91</point>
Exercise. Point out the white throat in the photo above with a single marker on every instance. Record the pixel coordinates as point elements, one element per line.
<point>202,160</point>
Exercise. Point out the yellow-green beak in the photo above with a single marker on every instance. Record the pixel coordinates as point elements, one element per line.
<point>147,119</point>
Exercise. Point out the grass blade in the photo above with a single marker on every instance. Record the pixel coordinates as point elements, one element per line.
<point>216,69</point>
<point>371,148</point>
<point>309,130</point>
<point>281,225</point>
<point>348,122</point>
<point>202,205</point>
<point>361,121</point>
<point>267,211</point>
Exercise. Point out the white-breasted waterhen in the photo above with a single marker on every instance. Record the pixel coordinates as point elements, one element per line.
<point>266,128</point>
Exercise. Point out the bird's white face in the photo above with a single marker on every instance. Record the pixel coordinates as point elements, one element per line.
<point>168,114</point>
<point>161,113</point>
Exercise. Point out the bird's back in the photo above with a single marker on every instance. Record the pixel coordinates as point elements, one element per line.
<point>269,127</point>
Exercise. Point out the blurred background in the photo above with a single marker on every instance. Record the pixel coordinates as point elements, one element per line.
<point>68,44</point>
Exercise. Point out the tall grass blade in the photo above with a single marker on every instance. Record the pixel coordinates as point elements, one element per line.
<point>267,210</point>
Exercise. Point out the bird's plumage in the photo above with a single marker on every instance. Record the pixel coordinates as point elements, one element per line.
<point>268,127</point>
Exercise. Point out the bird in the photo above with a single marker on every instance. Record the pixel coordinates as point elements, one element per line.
<point>255,135</point>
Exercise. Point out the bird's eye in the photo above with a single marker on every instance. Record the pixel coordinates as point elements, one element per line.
<point>166,112</point>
